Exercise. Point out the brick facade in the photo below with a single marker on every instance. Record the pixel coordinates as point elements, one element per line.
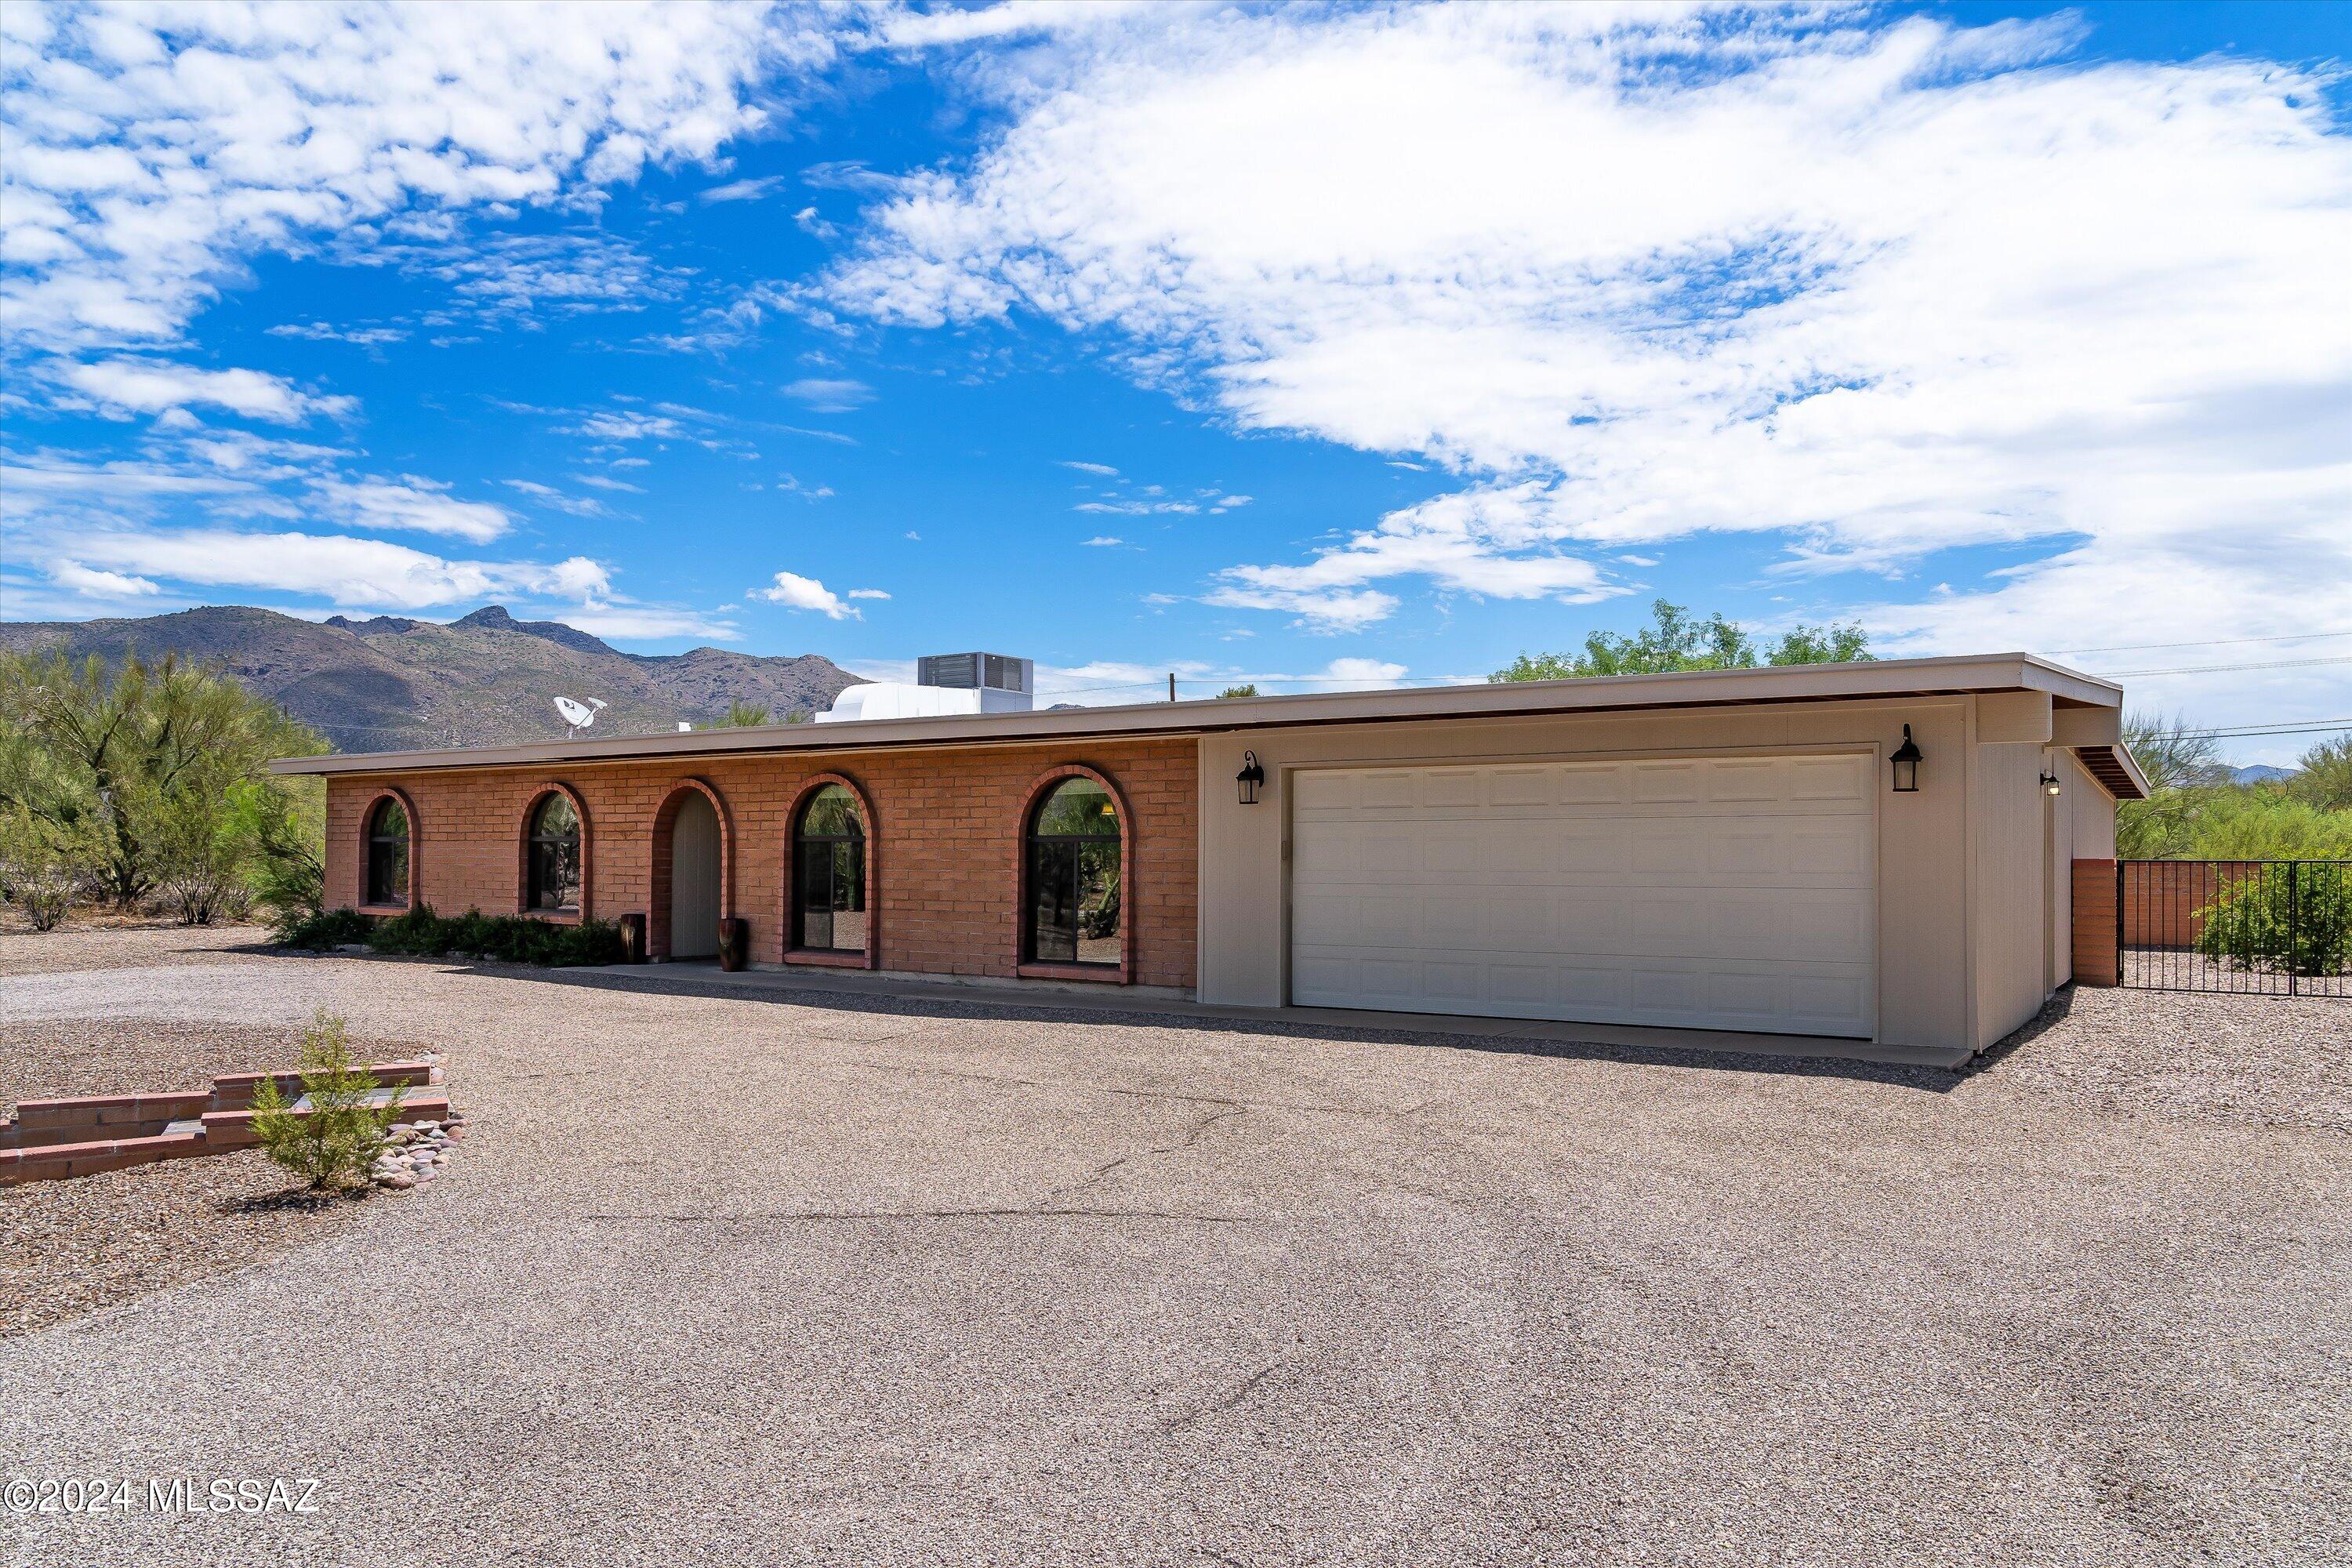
<point>2096,962</point>
<point>946,829</point>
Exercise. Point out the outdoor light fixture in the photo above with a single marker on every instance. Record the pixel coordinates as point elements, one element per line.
<point>1249,778</point>
<point>2049,784</point>
<point>1905,761</point>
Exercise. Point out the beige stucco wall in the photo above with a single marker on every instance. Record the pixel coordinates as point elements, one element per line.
<point>2013,822</point>
<point>1974,885</point>
<point>1924,931</point>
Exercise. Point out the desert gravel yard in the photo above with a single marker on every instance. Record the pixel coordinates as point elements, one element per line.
<point>728,1280</point>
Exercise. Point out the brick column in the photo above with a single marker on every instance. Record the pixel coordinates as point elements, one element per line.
<point>2096,962</point>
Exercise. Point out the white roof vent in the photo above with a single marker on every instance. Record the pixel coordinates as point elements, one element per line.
<point>945,683</point>
<point>977,672</point>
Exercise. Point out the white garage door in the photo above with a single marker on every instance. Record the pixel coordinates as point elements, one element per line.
<point>1724,893</point>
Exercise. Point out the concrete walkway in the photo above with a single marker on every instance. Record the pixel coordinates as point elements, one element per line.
<point>700,977</point>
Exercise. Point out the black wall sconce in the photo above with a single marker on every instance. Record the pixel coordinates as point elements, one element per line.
<point>1249,778</point>
<point>2049,784</point>
<point>1906,764</point>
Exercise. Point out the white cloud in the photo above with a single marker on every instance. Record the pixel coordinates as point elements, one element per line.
<point>411,503</point>
<point>623,425</point>
<point>647,623</point>
<point>149,151</point>
<point>796,592</point>
<point>1114,681</point>
<point>1103,540</point>
<point>1135,508</point>
<point>742,190</point>
<point>46,474</point>
<point>547,495</point>
<point>867,594</point>
<point>1867,286</point>
<point>328,332</point>
<point>605,482</point>
<point>1105,470</point>
<point>80,579</point>
<point>126,386</point>
<point>338,568</point>
<point>1489,542</point>
<point>829,395</point>
<point>1361,674</point>
<point>510,277</point>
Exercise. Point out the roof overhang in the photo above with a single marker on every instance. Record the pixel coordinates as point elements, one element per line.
<point>2117,770</point>
<point>1876,679</point>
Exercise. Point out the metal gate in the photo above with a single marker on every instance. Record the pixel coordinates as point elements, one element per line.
<point>2261,928</point>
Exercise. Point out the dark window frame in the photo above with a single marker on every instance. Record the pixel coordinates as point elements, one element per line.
<point>1035,847</point>
<point>374,842</point>
<point>856,840</point>
<point>534,841</point>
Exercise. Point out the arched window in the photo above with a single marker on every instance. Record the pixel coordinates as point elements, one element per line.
<point>554,856</point>
<point>387,854</point>
<point>829,874</point>
<point>1073,878</point>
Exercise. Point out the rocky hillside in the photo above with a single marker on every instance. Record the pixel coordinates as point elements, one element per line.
<point>390,683</point>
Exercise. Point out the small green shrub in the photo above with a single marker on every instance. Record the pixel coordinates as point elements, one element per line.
<point>509,939</point>
<point>2295,918</point>
<point>322,929</point>
<point>335,1144</point>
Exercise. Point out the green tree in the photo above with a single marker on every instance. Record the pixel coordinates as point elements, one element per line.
<point>1677,640</point>
<point>2184,769</point>
<point>147,754</point>
<point>1248,689</point>
<point>1838,643</point>
<point>2325,778</point>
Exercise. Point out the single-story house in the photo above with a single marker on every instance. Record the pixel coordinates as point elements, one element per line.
<point>1875,851</point>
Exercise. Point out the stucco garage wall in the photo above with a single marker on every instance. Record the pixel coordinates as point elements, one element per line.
<point>947,825</point>
<point>1923,850</point>
<point>2013,890</point>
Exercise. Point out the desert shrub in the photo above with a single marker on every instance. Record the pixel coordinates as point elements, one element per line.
<point>2251,825</point>
<point>322,928</point>
<point>45,863</point>
<point>420,932</point>
<point>2295,918</point>
<point>335,1144</point>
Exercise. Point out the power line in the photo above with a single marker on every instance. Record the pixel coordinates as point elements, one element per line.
<point>2321,728</point>
<point>2219,668</point>
<point>2208,642</point>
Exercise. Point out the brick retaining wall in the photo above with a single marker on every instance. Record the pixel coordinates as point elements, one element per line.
<point>946,853</point>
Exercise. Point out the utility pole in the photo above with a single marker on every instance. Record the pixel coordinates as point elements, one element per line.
<point>1171,686</point>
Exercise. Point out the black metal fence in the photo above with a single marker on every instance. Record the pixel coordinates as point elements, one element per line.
<point>2270,928</point>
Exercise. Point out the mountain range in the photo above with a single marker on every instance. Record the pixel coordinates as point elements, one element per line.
<point>390,683</point>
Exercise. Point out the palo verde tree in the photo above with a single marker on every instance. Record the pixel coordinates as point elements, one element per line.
<point>1677,640</point>
<point>160,766</point>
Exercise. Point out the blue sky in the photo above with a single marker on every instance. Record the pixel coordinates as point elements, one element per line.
<point>1319,345</point>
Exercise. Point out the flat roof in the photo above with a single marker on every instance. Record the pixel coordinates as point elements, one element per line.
<point>1689,689</point>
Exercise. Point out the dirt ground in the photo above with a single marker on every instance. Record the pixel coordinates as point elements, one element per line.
<point>806,1278</point>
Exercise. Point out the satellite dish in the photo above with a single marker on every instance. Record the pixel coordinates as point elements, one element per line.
<point>577,713</point>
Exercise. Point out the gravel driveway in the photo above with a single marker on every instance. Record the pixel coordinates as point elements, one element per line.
<point>734,1280</point>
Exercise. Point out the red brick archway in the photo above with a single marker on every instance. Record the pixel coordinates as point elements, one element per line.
<point>872,957</point>
<point>1022,964</point>
<point>416,847</point>
<point>587,855</point>
<point>657,932</point>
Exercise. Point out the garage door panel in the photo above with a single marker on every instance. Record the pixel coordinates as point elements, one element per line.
<point>1734,893</point>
